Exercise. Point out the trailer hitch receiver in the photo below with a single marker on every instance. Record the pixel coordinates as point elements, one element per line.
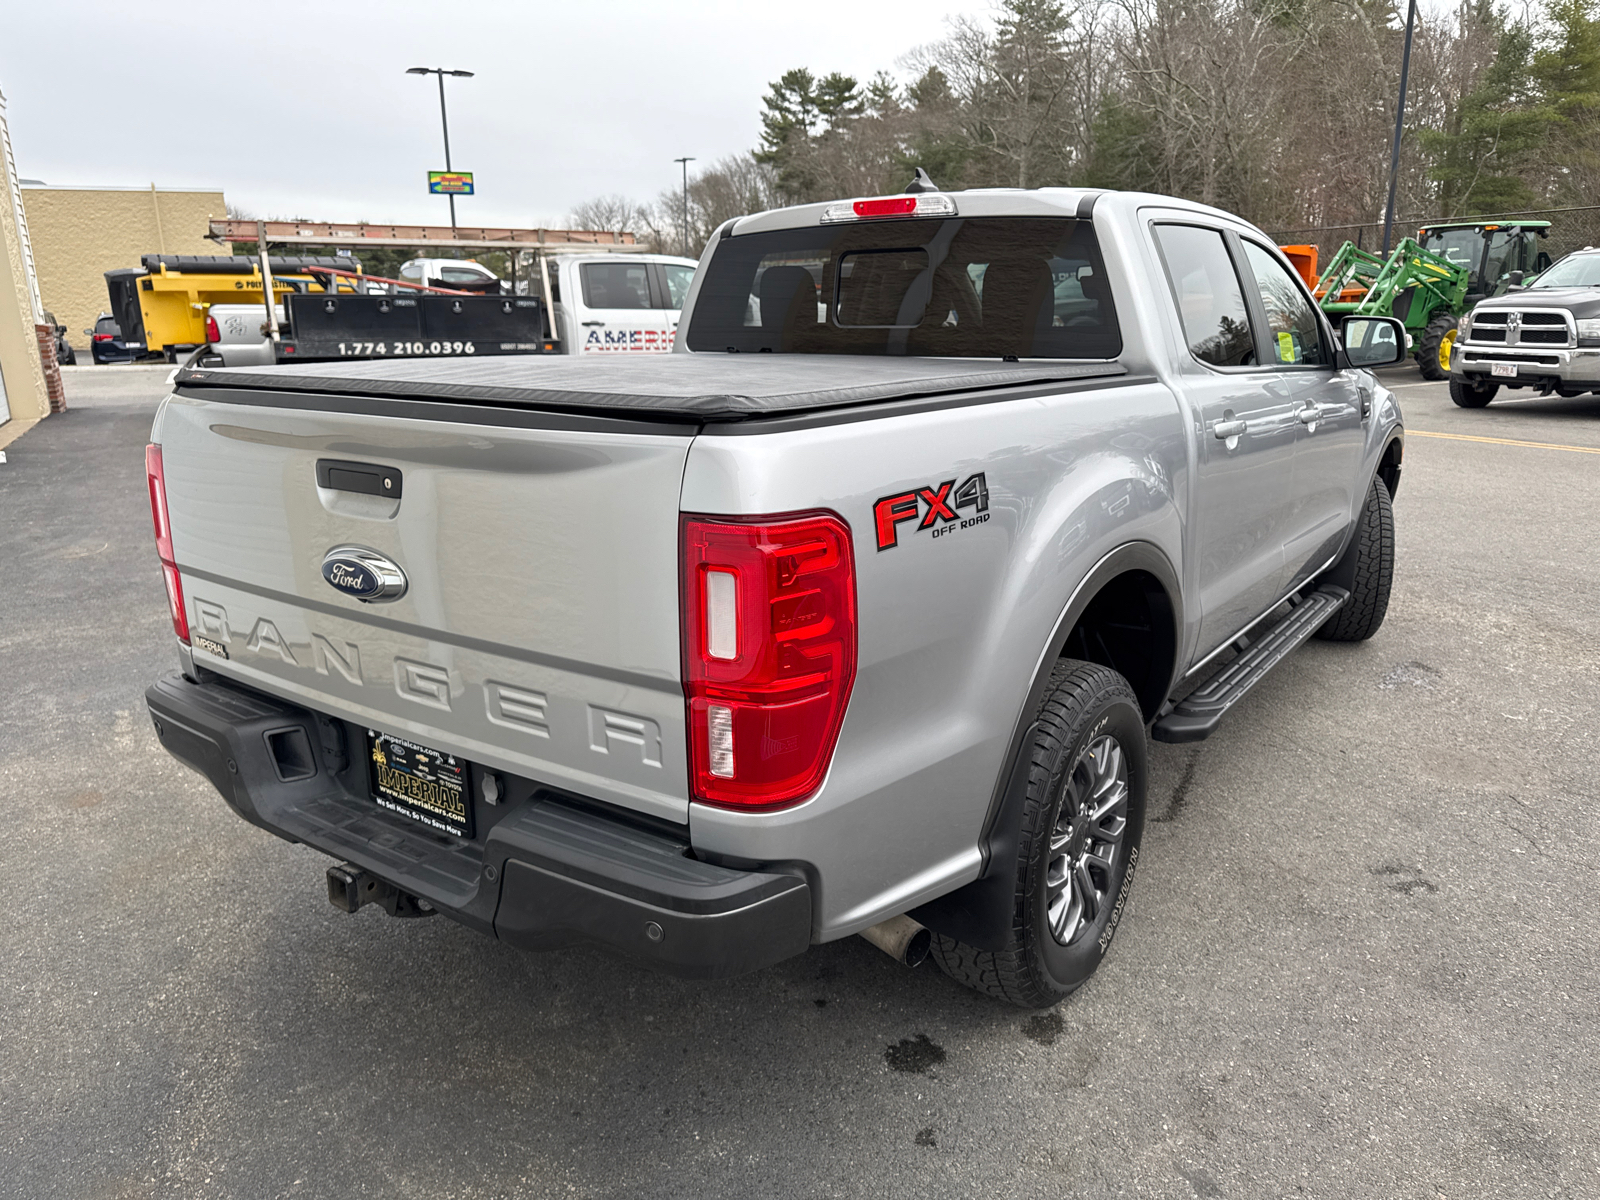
<point>349,887</point>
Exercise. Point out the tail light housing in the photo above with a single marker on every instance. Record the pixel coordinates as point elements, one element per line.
<point>769,642</point>
<point>213,334</point>
<point>156,476</point>
<point>102,337</point>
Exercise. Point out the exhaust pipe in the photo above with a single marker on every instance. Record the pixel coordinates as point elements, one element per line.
<point>902,939</point>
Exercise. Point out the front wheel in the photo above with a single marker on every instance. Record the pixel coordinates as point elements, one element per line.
<point>1081,827</point>
<point>1433,348</point>
<point>1472,395</point>
<point>1366,570</point>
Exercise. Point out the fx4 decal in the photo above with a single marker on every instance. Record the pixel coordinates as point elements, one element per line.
<point>936,507</point>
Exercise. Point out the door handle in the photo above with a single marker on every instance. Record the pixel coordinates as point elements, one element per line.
<point>1309,415</point>
<point>594,322</point>
<point>1223,430</point>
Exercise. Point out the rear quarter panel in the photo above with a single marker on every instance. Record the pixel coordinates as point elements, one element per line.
<point>951,629</point>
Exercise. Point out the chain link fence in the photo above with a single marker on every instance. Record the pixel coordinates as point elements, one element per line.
<point>1570,229</point>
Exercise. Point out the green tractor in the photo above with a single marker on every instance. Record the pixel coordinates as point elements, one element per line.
<point>1429,282</point>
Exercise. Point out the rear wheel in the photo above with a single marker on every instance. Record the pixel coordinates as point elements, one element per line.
<point>1433,349</point>
<point>1472,395</point>
<point>1079,845</point>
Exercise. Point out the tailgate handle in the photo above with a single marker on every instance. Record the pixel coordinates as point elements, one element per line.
<point>367,478</point>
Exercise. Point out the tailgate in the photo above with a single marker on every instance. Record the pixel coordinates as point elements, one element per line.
<point>538,632</point>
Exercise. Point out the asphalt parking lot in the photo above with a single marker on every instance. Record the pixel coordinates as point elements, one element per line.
<point>1360,962</point>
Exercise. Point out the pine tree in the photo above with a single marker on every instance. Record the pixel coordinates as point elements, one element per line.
<point>1485,158</point>
<point>1567,72</point>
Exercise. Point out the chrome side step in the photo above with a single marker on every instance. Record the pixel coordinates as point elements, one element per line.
<point>1194,717</point>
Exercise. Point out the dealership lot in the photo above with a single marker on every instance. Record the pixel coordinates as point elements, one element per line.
<point>1358,961</point>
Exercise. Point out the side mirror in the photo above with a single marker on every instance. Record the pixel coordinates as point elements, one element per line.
<point>1516,278</point>
<point>1373,341</point>
<point>88,333</point>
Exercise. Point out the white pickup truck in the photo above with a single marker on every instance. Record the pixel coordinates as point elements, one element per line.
<point>603,304</point>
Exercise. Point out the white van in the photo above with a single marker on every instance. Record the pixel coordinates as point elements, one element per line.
<point>615,303</point>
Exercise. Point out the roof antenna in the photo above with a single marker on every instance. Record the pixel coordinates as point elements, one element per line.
<point>921,183</point>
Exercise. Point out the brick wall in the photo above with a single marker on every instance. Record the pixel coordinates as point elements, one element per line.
<point>52,369</point>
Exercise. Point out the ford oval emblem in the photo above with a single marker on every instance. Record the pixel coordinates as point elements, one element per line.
<point>365,574</point>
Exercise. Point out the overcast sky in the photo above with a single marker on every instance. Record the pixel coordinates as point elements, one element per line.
<point>304,109</point>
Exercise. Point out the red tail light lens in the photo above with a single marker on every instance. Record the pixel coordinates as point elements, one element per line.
<point>769,630</point>
<point>213,334</point>
<point>889,206</point>
<point>102,337</point>
<point>155,475</point>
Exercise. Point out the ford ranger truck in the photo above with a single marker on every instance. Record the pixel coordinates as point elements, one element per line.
<point>852,615</point>
<point>1544,336</point>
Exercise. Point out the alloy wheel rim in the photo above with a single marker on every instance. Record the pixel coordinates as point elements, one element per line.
<point>1086,843</point>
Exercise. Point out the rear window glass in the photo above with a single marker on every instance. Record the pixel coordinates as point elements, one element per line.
<point>615,285</point>
<point>986,287</point>
<point>462,275</point>
<point>107,325</point>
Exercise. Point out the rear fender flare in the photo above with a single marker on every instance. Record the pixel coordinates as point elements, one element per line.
<point>980,913</point>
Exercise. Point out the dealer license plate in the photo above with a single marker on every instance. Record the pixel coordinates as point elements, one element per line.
<point>1507,370</point>
<point>429,786</point>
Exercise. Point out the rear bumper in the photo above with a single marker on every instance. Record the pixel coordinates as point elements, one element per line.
<point>543,871</point>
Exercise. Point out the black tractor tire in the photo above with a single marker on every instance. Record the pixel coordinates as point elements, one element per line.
<point>1472,395</point>
<point>1089,750</point>
<point>1428,348</point>
<point>1365,570</point>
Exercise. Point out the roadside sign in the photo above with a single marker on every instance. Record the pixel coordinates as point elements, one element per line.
<point>450,183</point>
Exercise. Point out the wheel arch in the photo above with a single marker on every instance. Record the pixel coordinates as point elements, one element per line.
<point>1389,462</point>
<point>980,913</point>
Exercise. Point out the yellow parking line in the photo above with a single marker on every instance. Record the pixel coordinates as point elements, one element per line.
<point>1468,437</point>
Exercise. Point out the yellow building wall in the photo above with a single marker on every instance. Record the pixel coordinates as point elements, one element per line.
<point>79,234</point>
<point>20,368</point>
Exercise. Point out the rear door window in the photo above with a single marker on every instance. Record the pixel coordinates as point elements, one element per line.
<point>615,285</point>
<point>1216,323</point>
<point>462,275</point>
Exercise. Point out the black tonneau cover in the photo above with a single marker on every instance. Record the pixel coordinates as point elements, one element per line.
<point>698,387</point>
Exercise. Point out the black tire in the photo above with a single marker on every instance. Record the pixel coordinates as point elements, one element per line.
<point>1472,395</point>
<point>1084,707</point>
<point>1366,570</point>
<point>1428,348</point>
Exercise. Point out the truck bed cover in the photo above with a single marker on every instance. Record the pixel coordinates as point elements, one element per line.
<point>685,387</point>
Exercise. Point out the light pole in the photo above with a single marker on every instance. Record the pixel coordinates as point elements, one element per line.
<point>443,119</point>
<point>1399,126</point>
<point>685,164</point>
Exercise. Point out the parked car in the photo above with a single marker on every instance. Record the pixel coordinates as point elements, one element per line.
<point>853,615</point>
<point>106,344</point>
<point>64,353</point>
<point>1544,335</point>
<point>459,274</point>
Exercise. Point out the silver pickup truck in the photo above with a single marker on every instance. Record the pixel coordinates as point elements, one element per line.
<point>853,615</point>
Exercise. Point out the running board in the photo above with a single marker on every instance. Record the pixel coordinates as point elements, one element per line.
<point>1195,716</point>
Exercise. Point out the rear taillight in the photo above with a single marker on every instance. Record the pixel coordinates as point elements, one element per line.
<point>157,479</point>
<point>213,334</point>
<point>769,637</point>
<point>103,337</point>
